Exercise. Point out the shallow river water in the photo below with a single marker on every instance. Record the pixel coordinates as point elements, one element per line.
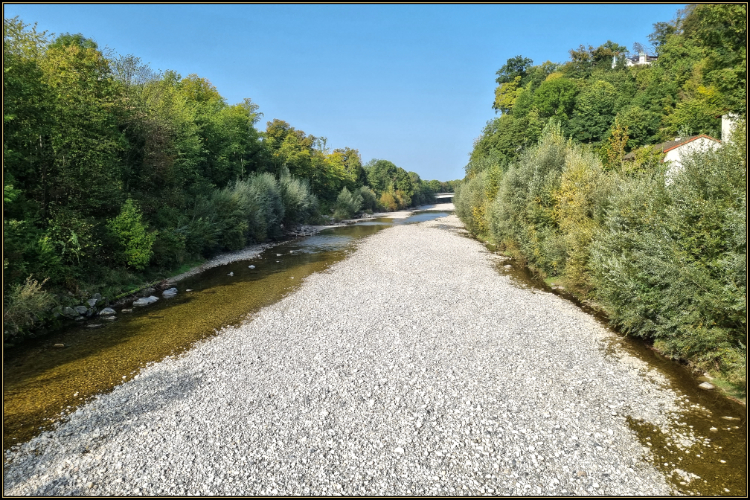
<point>42,383</point>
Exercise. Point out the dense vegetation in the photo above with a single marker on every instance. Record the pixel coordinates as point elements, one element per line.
<point>665,258</point>
<point>115,175</point>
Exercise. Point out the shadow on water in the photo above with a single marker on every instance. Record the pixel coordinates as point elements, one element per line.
<point>42,382</point>
<point>719,455</point>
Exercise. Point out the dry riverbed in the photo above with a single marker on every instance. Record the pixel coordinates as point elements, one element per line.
<point>409,368</point>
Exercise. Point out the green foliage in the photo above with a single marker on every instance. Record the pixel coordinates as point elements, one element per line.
<point>369,198</point>
<point>522,213</point>
<point>25,306</point>
<point>347,204</point>
<point>671,263</point>
<point>134,240</point>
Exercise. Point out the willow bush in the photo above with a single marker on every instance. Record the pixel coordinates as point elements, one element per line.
<point>669,263</point>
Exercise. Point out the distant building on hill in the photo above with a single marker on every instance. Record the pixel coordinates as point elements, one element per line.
<point>638,60</point>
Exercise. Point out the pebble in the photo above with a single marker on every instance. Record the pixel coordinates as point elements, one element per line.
<point>384,351</point>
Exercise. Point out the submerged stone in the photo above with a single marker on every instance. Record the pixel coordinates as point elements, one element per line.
<point>145,301</point>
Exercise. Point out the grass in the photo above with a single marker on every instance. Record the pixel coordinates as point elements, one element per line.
<point>734,391</point>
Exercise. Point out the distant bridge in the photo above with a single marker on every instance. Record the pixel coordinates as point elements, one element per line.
<point>443,198</point>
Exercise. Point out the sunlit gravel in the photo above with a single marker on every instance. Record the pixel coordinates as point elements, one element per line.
<point>410,368</point>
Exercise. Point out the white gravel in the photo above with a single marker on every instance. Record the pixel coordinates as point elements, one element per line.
<point>368,382</point>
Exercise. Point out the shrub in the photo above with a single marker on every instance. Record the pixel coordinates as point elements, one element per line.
<point>522,214</point>
<point>347,204</point>
<point>369,198</point>
<point>388,202</point>
<point>299,203</point>
<point>670,262</point>
<point>471,203</point>
<point>25,306</point>
<point>579,204</point>
<point>131,234</point>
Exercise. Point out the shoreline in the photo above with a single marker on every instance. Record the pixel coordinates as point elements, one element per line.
<point>253,251</point>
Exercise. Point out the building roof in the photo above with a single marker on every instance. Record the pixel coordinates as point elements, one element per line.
<point>665,147</point>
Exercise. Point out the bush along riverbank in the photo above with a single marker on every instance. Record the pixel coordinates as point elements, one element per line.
<point>663,256</point>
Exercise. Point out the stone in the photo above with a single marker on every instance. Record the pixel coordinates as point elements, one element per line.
<point>92,302</point>
<point>168,294</point>
<point>107,311</point>
<point>126,310</point>
<point>81,309</point>
<point>145,301</point>
<point>707,386</point>
<point>98,296</point>
<point>95,325</point>
<point>70,312</point>
<point>109,318</point>
<point>59,345</point>
<point>251,267</point>
<point>231,273</point>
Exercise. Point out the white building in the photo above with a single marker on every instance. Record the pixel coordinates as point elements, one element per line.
<point>638,60</point>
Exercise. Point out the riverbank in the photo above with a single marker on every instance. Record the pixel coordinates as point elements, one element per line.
<point>254,251</point>
<point>367,381</point>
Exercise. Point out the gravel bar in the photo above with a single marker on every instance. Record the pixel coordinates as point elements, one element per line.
<point>410,368</point>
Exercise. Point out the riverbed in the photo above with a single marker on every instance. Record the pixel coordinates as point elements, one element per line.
<point>658,416</point>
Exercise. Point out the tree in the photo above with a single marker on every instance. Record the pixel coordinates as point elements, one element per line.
<point>594,112</point>
<point>515,66</point>
<point>556,97</point>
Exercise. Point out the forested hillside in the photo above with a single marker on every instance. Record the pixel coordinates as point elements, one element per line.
<point>548,182</point>
<point>115,174</point>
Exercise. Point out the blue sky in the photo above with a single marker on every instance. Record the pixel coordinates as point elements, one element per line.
<point>412,84</point>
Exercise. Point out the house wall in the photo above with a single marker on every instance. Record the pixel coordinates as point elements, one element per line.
<point>674,156</point>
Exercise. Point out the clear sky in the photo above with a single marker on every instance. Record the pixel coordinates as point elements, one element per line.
<point>412,84</point>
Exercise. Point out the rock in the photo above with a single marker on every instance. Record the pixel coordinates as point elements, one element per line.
<point>59,345</point>
<point>107,311</point>
<point>713,429</point>
<point>507,266</point>
<point>231,273</point>
<point>145,301</point>
<point>147,292</point>
<point>80,318</point>
<point>251,267</point>
<point>70,312</point>
<point>278,255</point>
<point>95,325</point>
<point>126,310</point>
<point>92,302</point>
<point>98,296</point>
<point>168,294</point>
<point>707,386</point>
<point>81,309</point>
<point>109,318</point>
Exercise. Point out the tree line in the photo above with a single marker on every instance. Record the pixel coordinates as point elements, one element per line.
<point>115,174</point>
<point>664,256</point>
